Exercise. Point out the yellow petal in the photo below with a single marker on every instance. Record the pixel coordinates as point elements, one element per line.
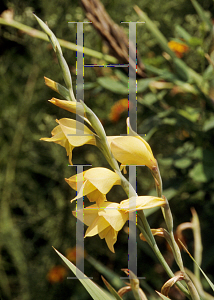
<point>133,133</point>
<point>103,233</point>
<point>74,107</point>
<point>140,203</point>
<point>72,181</point>
<point>59,138</point>
<point>89,215</point>
<point>75,136</point>
<point>98,218</point>
<point>97,197</point>
<point>102,178</point>
<point>110,236</point>
<point>85,188</point>
<point>57,135</point>
<point>97,183</point>
<point>92,193</point>
<point>98,225</point>
<point>115,218</point>
<point>130,150</point>
<point>51,84</point>
<point>111,138</point>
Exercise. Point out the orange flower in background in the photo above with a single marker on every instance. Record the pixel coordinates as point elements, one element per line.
<point>71,253</point>
<point>178,48</point>
<point>117,109</point>
<point>56,274</point>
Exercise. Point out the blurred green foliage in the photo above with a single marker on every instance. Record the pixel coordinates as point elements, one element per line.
<point>35,212</point>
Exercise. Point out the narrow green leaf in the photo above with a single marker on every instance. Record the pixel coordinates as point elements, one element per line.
<point>149,99</point>
<point>71,46</point>
<point>169,121</point>
<point>143,84</point>
<point>95,292</point>
<point>113,85</point>
<point>207,279</point>
<point>123,77</point>
<point>198,247</point>
<point>150,133</point>
<point>182,163</point>
<point>208,124</point>
<point>183,33</point>
<point>191,40</point>
<point>108,273</point>
<point>197,173</point>
<point>155,31</point>
<point>111,289</point>
<point>202,14</point>
<point>189,113</point>
<point>183,70</point>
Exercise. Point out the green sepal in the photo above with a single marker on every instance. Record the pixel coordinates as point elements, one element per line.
<point>66,73</point>
<point>57,87</point>
<point>54,42</point>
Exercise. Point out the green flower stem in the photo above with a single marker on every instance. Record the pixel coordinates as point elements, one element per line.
<point>169,223</point>
<point>168,217</point>
<point>142,230</point>
<point>147,228</point>
<point>41,35</point>
<point>170,273</point>
<point>158,180</point>
<point>151,241</point>
<point>192,289</point>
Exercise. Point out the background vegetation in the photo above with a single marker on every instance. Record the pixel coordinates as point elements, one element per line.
<point>35,211</point>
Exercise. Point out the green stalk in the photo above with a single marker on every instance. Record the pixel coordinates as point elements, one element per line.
<point>68,45</point>
<point>151,241</point>
<point>169,223</point>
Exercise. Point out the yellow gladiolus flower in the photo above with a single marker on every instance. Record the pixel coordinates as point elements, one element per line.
<point>108,219</point>
<point>69,136</point>
<point>97,182</point>
<point>132,149</point>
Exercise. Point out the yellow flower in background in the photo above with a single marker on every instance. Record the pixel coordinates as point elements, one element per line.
<point>108,219</point>
<point>66,135</point>
<point>97,182</point>
<point>178,47</point>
